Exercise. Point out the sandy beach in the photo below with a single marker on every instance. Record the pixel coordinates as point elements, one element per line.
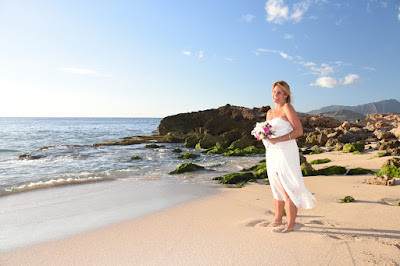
<point>230,228</point>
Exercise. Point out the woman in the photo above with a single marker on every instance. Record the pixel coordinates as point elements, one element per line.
<point>283,162</point>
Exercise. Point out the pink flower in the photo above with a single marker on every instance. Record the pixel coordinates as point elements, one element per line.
<point>266,130</point>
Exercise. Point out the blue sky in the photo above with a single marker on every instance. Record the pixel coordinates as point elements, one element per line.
<point>157,58</point>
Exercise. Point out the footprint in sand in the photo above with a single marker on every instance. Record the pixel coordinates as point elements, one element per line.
<point>388,201</point>
<point>256,222</point>
<point>319,222</point>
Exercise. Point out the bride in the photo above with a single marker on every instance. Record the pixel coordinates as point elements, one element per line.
<point>283,162</point>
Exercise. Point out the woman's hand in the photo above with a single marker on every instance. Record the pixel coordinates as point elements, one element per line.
<point>273,141</point>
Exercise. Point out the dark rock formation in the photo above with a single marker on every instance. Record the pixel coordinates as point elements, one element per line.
<point>227,125</point>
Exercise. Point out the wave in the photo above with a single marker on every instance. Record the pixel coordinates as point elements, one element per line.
<point>52,183</point>
<point>7,150</point>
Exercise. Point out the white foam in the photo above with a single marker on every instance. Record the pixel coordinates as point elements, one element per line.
<point>51,183</point>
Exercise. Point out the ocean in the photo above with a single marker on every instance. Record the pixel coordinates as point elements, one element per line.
<point>73,187</point>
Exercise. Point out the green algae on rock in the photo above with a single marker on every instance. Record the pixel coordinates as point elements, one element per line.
<point>186,167</point>
<point>320,161</point>
<point>188,155</point>
<point>360,171</point>
<point>332,170</point>
<point>354,147</point>
<point>153,146</point>
<point>235,178</point>
<point>177,150</point>
<point>347,199</point>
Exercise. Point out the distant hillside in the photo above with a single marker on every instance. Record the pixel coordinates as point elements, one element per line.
<point>386,106</point>
<point>345,115</point>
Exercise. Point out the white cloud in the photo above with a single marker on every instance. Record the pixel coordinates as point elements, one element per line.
<point>248,18</point>
<point>398,15</point>
<point>329,82</point>
<point>306,63</point>
<point>278,12</point>
<point>284,55</point>
<point>324,70</point>
<point>299,10</point>
<point>350,79</point>
<point>369,68</point>
<point>186,52</point>
<point>288,36</point>
<point>200,54</point>
<point>82,71</point>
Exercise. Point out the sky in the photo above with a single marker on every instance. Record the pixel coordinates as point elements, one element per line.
<point>154,58</point>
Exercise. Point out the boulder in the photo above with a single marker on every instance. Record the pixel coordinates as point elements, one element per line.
<point>188,155</point>
<point>208,141</point>
<point>391,144</point>
<point>395,162</point>
<point>235,178</point>
<point>384,180</point>
<point>396,132</point>
<point>187,167</point>
<point>316,138</point>
<point>383,134</point>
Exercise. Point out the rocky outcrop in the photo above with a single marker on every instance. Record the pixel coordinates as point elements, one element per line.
<point>229,125</point>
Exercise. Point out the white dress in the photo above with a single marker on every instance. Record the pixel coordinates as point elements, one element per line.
<point>283,167</point>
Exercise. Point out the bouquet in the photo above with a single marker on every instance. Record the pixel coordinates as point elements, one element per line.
<point>262,131</point>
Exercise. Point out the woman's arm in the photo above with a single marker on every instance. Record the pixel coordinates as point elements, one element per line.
<point>294,120</point>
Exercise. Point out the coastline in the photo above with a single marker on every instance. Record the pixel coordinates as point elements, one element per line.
<point>230,228</point>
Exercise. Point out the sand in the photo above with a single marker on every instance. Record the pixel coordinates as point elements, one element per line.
<point>230,229</point>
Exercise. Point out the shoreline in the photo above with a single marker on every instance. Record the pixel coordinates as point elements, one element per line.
<point>230,228</point>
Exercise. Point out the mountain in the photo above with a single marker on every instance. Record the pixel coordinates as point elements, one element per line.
<point>343,115</point>
<point>385,106</point>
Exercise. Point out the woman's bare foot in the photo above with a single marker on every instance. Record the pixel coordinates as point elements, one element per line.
<point>275,224</point>
<point>287,230</point>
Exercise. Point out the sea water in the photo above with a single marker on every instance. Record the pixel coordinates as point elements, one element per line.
<point>74,186</point>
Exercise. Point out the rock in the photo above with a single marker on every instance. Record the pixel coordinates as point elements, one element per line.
<point>129,141</point>
<point>192,139</point>
<point>395,162</point>
<point>396,132</point>
<point>381,124</point>
<point>339,146</point>
<point>347,199</point>
<point>383,134</point>
<point>316,138</point>
<point>188,155</point>
<point>242,143</point>
<point>177,150</point>
<point>360,171</point>
<point>320,161</point>
<point>332,170</point>
<point>316,150</point>
<point>391,144</point>
<point>323,121</point>
<point>354,147</point>
<point>208,141</point>
<point>262,173</point>
<point>346,125</point>
<point>135,158</point>
<point>385,180</point>
<point>331,142</point>
<point>31,156</point>
<point>187,167</point>
<point>235,178</point>
<point>389,170</point>
<point>153,146</point>
<point>306,168</point>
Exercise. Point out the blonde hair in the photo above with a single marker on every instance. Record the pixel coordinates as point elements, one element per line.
<point>285,87</point>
